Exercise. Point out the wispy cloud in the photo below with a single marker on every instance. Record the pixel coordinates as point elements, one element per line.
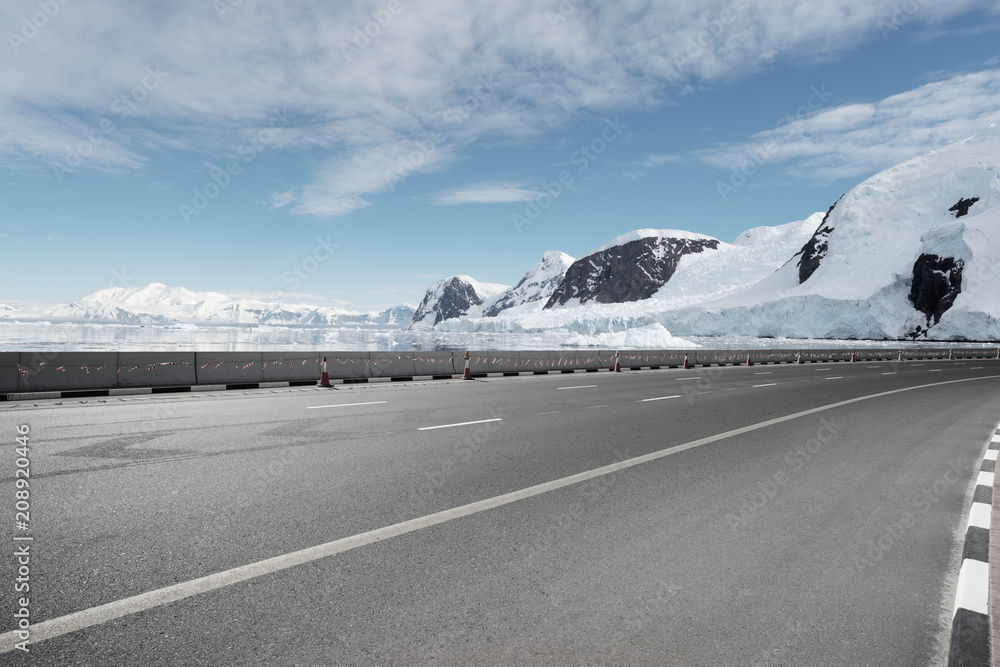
<point>860,139</point>
<point>658,160</point>
<point>484,193</point>
<point>442,74</point>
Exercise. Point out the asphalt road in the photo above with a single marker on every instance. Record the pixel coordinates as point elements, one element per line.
<point>825,538</point>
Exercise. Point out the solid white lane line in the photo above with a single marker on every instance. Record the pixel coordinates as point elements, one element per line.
<point>481,421</point>
<point>660,398</point>
<point>581,386</point>
<point>343,405</point>
<point>771,384</point>
<point>110,611</point>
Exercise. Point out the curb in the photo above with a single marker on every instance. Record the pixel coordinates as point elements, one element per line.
<point>970,626</point>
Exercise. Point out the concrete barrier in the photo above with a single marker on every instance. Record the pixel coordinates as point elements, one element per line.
<point>229,367</point>
<point>501,361</point>
<point>290,367</point>
<point>9,373</point>
<point>27,372</point>
<point>536,361</point>
<point>390,364</point>
<point>348,365</point>
<point>67,370</point>
<point>156,369</point>
<point>435,363</point>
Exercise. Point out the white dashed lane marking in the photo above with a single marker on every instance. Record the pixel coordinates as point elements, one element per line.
<point>659,398</point>
<point>770,384</point>
<point>579,386</point>
<point>481,421</point>
<point>343,405</point>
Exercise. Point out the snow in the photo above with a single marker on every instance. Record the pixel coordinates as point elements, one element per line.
<point>157,303</point>
<point>658,234</point>
<point>880,228</point>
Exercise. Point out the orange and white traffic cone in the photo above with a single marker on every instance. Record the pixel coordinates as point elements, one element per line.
<point>900,357</point>
<point>324,377</point>
<point>686,365</point>
<point>798,358</point>
<point>468,368</point>
<point>749,360</point>
<point>949,355</point>
<point>618,362</point>
<point>853,358</point>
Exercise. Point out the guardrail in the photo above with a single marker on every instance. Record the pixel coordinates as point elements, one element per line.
<point>22,372</point>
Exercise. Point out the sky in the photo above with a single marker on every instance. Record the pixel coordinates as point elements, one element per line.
<point>352,153</point>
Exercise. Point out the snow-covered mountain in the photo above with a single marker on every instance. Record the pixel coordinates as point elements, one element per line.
<point>455,296</point>
<point>161,304</point>
<point>914,251</point>
<point>685,278</point>
<point>536,286</point>
<point>633,267</point>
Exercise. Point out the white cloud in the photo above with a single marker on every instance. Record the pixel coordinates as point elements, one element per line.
<point>484,193</point>
<point>446,72</point>
<point>860,139</point>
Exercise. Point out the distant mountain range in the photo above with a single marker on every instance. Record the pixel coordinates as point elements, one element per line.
<point>911,253</point>
<point>159,304</point>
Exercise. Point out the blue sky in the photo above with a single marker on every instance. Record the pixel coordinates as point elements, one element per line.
<point>276,150</point>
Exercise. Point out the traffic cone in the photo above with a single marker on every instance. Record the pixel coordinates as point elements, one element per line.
<point>749,362</point>
<point>853,359</point>
<point>949,355</point>
<point>324,377</point>
<point>900,357</point>
<point>687,366</point>
<point>618,362</point>
<point>468,368</point>
<point>798,358</point>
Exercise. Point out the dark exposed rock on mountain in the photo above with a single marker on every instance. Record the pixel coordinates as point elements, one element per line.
<point>962,207</point>
<point>937,282</point>
<point>814,250</point>
<point>627,271</point>
<point>452,299</point>
<point>538,283</point>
